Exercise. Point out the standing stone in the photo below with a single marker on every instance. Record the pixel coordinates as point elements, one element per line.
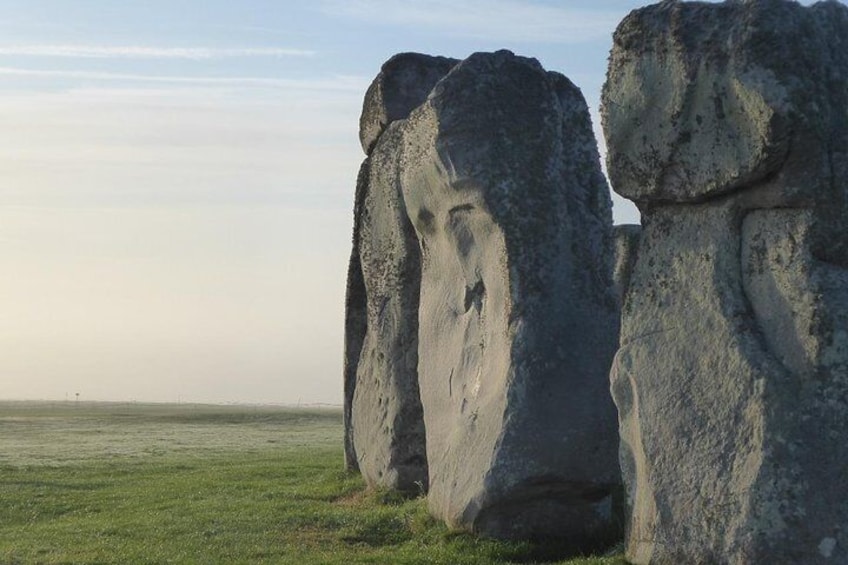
<point>384,428</point>
<point>518,319</point>
<point>356,321</point>
<point>727,124</point>
<point>402,85</point>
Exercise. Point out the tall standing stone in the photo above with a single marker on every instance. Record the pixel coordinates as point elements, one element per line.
<point>356,321</point>
<point>727,124</point>
<point>518,319</point>
<point>384,428</point>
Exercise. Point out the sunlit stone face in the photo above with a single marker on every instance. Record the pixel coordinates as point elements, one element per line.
<point>502,184</point>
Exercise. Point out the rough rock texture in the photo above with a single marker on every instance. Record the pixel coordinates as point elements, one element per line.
<point>518,319</point>
<point>384,429</point>
<point>705,99</point>
<point>728,125</point>
<point>404,82</point>
<point>356,321</point>
<point>387,423</point>
<point>626,246</point>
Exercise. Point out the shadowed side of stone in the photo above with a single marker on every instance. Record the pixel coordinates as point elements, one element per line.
<point>384,428</point>
<point>728,125</point>
<point>403,84</point>
<point>356,322</point>
<point>518,317</point>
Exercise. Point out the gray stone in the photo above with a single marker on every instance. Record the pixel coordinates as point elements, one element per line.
<point>699,103</point>
<point>386,421</point>
<point>356,321</point>
<point>518,318</point>
<point>402,85</point>
<point>625,248</point>
<point>727,124</point>
<point>384,436</point>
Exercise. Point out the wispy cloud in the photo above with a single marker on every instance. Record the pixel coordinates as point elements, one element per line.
<point>502,20</point>
<point>140,52</point>
<point>339,82</point>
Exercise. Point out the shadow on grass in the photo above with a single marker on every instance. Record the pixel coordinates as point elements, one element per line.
<point>540,551</point>
<point>554,551</point>
<point>379,531</point>
<point>390,519</point>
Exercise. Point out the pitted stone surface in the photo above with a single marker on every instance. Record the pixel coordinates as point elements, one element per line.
<point>384,434</point>
<point>387,423</point>
<point>518,315</point>
<point>403,84</point>
<point>356,321</point>
<point>706,99</point>
<point>728,125</point>
<point>626,247</point>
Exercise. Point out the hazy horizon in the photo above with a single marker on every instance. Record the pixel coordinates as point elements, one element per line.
<point>178,182</point>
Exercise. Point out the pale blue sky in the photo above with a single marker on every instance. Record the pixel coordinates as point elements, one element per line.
<point>177,179</point>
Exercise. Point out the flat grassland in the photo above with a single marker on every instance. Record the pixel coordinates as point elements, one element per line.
<point>182,483</point>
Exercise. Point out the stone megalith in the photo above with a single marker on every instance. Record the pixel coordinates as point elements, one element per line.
<point>384,429</point>
<point>517,320</point>
<point>402,85</point>
<point>727,124</point>
<point>356,321</point>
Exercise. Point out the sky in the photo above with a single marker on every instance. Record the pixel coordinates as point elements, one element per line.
<point>177,181</point>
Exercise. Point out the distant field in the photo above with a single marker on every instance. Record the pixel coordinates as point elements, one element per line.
<point>169,483</point>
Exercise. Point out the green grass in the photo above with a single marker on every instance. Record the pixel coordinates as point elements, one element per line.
<point>132,483</point>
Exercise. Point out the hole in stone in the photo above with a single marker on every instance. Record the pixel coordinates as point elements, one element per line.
<point>474,296</point>
<point>425,220</point>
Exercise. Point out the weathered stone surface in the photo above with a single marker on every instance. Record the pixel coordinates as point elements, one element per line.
<point>518,319</point>
<point>356,321</point>
<point>384,434</point>
<point>801,307</point>
<point>688,118</point>
<point>403,84</point>
<point>626,246</point>
<point>387,423</point>
<point>731,379</point>
<point>688,381</point>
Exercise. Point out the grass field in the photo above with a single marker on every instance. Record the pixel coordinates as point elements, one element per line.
<point>146,483</point>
